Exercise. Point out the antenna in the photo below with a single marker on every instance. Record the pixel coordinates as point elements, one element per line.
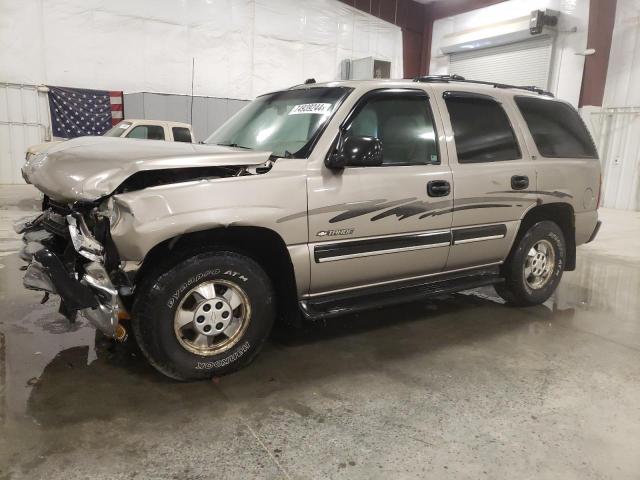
<point>193,73</point>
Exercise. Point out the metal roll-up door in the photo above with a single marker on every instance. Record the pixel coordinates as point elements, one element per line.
<point>521,63</point>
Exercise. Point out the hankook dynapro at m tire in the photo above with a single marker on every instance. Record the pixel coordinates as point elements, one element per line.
<point>207,316</point>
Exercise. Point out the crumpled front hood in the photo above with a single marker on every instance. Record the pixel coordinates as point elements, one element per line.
<point>88,168</point>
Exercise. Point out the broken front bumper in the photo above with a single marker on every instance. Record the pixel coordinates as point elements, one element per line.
<point>88,291</point>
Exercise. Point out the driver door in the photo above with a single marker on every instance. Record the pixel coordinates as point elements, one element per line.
<point>371,225</point>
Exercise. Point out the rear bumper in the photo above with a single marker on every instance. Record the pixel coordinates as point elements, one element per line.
<point>585,224</point>
<point>595,232</point>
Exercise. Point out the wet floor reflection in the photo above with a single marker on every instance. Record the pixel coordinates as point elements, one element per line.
<point>54,374</point>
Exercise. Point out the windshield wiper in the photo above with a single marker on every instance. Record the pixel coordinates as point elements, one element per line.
<point>287,154</point>
<point>235,145</point>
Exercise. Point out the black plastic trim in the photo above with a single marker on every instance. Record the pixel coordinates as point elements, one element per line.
<point>478,232</point>
<point>460,79</point>
<point>470,95</point>
<point>356,247</point>
<point>595,232</point>
<point>333,305</point>
<point>74,294</point>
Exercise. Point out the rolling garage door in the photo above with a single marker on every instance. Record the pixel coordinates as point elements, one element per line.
<point>521,63</point>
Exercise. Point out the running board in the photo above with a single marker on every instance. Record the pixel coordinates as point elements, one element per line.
<point>333,305</point>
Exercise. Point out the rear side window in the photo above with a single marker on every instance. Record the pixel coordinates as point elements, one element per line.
<point>556,128</point>
<point>147,132</point>
<point>481,129</point>
<point>181,134</point>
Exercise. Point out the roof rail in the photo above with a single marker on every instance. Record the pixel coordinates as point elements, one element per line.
<point>458,78</point>
<point>440,78</point>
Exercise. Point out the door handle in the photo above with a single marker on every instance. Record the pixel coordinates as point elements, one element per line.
<point>438,188</point>
<point>519,182</point>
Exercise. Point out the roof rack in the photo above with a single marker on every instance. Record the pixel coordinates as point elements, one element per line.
<point>461,79</point>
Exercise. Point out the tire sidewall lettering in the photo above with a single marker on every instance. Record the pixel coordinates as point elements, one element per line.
<point>179,292</point>
<point>223,362</point>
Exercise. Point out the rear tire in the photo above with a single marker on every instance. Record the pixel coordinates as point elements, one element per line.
<point>207,316</point>
<point>534,268</point>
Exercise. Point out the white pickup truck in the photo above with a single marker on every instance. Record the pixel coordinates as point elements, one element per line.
<point>140,129</point>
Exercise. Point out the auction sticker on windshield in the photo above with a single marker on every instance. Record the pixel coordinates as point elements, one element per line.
<point>321,108</point>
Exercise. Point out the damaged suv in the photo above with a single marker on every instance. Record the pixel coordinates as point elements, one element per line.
<point>312,202</point>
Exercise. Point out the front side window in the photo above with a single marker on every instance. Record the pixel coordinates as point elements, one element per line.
<point>181,134</point>
<point>481,129</point>
<point>284,123</point>
<point>147,132</point>
<point>404,125</point>
<point>556,128</point>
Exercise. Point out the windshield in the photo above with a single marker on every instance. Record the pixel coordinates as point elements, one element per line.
<point>118,130</point>
<point>284,123</point>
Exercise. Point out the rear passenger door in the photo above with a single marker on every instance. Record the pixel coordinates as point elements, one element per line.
<point>493,174</point>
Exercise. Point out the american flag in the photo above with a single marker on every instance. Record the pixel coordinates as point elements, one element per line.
<point>77,112</point>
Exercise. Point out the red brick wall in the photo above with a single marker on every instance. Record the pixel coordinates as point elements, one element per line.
<point>602,15</point>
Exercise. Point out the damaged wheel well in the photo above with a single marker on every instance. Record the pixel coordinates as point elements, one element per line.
<point>261,244</point>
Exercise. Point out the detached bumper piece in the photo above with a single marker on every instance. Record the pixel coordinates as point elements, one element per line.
<point>47,270</point>
<point>87,291</point>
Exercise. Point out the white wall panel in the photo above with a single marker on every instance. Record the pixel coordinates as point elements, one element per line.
<point>623,74</point>
<point>242,48</point>
<point>618,122</point>
<point>618,139</point>
<point>208,113</point>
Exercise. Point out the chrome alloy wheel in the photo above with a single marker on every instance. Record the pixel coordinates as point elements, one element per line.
<point>539,264</point>
<point>212,317</point>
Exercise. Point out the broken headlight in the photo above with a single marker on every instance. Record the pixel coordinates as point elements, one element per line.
<point>109,210</point>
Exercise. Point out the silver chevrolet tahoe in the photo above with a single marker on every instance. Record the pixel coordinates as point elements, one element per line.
<point>312,202</point>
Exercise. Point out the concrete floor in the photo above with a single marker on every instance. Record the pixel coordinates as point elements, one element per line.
<point>462,387</point>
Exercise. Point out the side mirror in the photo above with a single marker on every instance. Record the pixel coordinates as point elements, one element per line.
<point>356,152</point>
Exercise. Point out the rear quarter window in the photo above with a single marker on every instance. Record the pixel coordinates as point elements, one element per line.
<point>556,128</point>
<point>181,134</point>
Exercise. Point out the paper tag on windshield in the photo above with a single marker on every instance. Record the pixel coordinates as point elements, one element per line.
<point>320,108</point>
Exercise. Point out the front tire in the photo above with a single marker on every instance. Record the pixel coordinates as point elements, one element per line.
<point>207,316</point>
<point>534,269</point>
